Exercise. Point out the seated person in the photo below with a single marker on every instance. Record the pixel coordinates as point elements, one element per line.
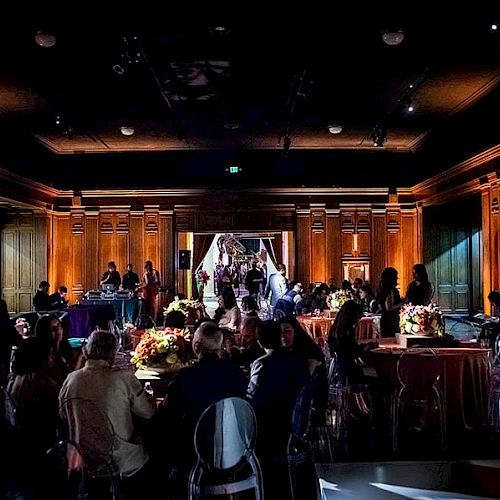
<point>367,300</point>
<point>41,300</point>
<point>251,349</point>
<point>228,314</point>
<point>190,392</point>
<point>311,303</point>
<point>117,393</point>
<point>249,306</point>
<point>58,299</point>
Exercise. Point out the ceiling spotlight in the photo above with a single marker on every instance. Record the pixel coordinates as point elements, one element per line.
<point>128,131</point>
<point>231,126</point>
<point>493,28</point>
<point>410,108</point>
<point>393,37</point>
<point>335,129</point>
<point>219,29</point>
<point>45,39</point>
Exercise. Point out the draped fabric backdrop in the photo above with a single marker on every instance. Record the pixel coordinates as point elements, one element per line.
<point>274,248</point>
<point>201,245</point>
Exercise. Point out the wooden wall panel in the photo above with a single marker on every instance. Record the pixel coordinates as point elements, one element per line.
<point>318,244</point>
<point>348,228</point>
<point>379,246</point>
<point>409,247</point>
<point>303,246</point>
<point>26,259</point>
<point>394,241</point>
<point>63,272</point>
<point>486,222</point>
<point>151,239</point>
<point>106,244</point>
<point>137,242</point>
<point>363,233</point>
<point>91,252</point>
<point>333,246</point>
<point>166,261</point>
<point>122,241</point>
<point>494,243</point>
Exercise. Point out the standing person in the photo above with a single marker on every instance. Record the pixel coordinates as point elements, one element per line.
<point>277,285</point>
<point>420,290</point>
<point>111,276</point>
<point>58,299</point>
<point>131,280</point>
<point>41,300</point>
<point>390,301</point>
<point>254,280</point>
<point>150,289</point>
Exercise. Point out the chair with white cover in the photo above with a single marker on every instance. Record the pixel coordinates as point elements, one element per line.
<point>224,442</point>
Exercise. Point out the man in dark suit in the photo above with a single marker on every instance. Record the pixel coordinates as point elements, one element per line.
<point>41,300</point>
<point>131,280</point>
<point>58,299</point>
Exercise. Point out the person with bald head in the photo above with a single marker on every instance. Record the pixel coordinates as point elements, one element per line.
<point>191,391</point>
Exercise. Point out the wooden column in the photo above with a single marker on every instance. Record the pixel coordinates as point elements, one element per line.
<point>379,246</point>
<point>136,256</point>
<point>91,238</point>
<point>420,233</point>
<point>166,262</point>
<point>410,245</point>
<point>333,246</point>
<point>78,256</point>
<point>486,256</point>
<point>303,245</point>
<point>318,243</point>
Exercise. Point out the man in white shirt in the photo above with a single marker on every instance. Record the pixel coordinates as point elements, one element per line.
<point>110,394</point>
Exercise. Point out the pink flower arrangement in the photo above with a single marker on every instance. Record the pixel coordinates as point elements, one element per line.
<point>421,320</point>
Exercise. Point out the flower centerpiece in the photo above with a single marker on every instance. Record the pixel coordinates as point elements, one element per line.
<point>162,349</point>
<point>421,320</point>
<point>192,309</point>
<point>337,299</point>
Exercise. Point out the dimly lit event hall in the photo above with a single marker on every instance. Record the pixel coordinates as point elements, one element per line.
<point>249,253</point>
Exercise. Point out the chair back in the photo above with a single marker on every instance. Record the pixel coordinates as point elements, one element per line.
<point>90,428</point>
<point>225,433</point>
<point>419,371</point>
<point>8,409</point>
<point>333,376</point>
<point>303,411</point>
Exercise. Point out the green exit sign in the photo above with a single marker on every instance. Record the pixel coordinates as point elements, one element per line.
<point>234,170</point>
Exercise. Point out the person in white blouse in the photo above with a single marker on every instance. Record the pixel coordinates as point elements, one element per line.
<point>228,314</point>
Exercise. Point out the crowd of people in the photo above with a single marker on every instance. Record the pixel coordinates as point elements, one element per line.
<point>269,366</point>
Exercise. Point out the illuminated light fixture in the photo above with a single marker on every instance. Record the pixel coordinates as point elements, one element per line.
<point>493,28</point>
<point>128,131</point>
<point>410,108</point>
<point>393,37</point>
<point>45,39</point>
<point>231,126</point>
<point>335,129</point>
<point>219,29</point>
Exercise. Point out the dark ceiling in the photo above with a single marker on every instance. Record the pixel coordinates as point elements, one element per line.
<point>259,96</point>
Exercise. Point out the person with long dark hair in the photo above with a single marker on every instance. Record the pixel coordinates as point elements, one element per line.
<point>420,290</point>
<point>390,301</point>
<point>343,344</point>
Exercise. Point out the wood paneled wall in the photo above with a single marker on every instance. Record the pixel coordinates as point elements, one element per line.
<point>24,251</point>
<point>325,238</point>
<point>84,242</point>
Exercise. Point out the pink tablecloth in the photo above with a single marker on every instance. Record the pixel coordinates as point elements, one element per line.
<point>316,326</point>
<point>368,327</point>
<point>465,376</point>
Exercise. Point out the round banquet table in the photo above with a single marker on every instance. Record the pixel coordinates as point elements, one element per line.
<point>368,327</point>
<point>465,375</point>
<point>316,326</point>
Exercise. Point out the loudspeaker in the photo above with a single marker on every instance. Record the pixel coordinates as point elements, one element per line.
<point>184,259</point>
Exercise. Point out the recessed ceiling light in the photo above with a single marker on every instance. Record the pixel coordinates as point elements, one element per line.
<point>45,39</point>
<point>335,129</point>
<point>494,27</point>
<point>393,37</point>
<point>127,130</point>
<point>231,126</point>
<point>220,29</point>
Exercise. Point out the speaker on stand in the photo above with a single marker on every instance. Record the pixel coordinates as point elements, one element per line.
<point>185,264</point>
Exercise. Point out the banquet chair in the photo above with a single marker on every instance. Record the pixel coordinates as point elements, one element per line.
<point>418,387</point>
<point>224,441</point>
<point>302,437</point>
<point>8,410</point>
<point>88,427</point>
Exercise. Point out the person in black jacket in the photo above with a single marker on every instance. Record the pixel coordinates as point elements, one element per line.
<point>41,300</point>
<point>420,290</point>
<point>58,299</point>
